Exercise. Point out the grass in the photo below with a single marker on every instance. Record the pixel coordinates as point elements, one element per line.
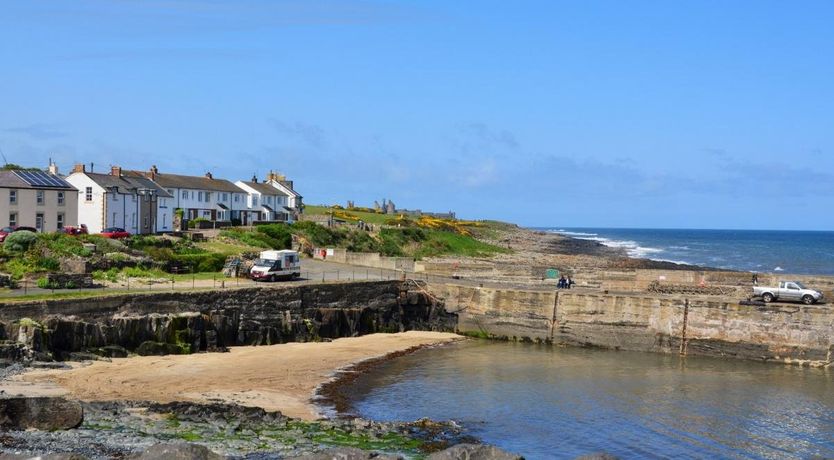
<point>227,248</point>
<point>367,217</point>
<point>443,243</point>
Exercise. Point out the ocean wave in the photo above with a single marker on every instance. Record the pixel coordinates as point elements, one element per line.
<point>631,247</point>
<point>778,269</point>
<point>680,248</point>
<point>679,262</point>
<point>567,233</point>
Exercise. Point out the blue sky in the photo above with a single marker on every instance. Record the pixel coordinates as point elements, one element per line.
<point>584,113</point>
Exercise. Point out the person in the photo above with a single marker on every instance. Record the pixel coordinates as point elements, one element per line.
<point>561,284</point>
<point>755,279</point>
<point>568,282</point>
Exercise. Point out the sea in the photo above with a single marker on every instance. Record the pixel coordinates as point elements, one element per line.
<point>546,402</point>
<point>765,251</point>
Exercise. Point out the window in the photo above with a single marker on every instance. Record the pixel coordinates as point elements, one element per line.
<point>60,220</point>
<point>225,197</point>
<point>208,197</point>
<point>134,198</point>
<point>185,194</point>
<point>113,223</point>
<point>145,222</point>
<point>60,199</point>
<point>88,194</point>
<point>237,198</point>
<point>39,194</point>
<point>12,219</point>
<point>12,196</point>
<point>199,196</point>
<point>39,222</point>
<point>254,200</point>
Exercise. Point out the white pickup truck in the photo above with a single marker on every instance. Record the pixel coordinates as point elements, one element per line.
<point>788,290</point>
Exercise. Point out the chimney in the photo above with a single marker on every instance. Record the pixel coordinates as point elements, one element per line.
<point>79,168</point>
<point>153,173</point>
<point>271,176</point>
<point>254,178</point>
<point>209,176</point>
<point>116,171</point>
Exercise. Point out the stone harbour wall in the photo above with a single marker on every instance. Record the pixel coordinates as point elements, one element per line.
<point>713,326</point>
<point>166,323</point>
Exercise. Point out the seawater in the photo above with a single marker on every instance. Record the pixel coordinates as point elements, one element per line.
<point>772,251</point>
<point>549,402</point>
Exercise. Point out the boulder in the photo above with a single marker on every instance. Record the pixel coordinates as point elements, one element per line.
<point>346,453</point>
<point>473,452</point>
<point>112,351</point>
<point>177,451</point>
<point>42,413</point>
<point>54,456</point>
<point>151,348</point>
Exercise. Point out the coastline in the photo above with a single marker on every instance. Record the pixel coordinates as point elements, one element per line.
<point>333,394</point>
<point>282,377</point>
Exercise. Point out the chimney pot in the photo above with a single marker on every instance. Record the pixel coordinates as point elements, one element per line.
<point>208,175</point>
<point>116,171</point>
<point>79,168</point>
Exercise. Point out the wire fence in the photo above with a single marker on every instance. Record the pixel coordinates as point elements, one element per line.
<point>214,281</point>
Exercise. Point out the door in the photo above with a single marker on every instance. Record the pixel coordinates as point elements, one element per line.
<point>39,222</point>
<point>791,292</point>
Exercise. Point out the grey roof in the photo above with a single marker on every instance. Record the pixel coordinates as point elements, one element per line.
<point>289,185</point>
<point>264,189</point>
<point>195,183</point>
<point>143,182</point>
<point>127,183</point>
<point>9,179</point>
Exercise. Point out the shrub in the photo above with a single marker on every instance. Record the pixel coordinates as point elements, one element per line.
<point>193,222</point>
<point>139,272</point>
<point>204,262</point>
<point>19,242</point>
<point>48,263</point>
<point>111,275</point>
<point>61,244</point>
<point>279,233</point>
<point>43,283</point>
<point>20,267</point>
<point>319,235</point>
<point>359,241</point>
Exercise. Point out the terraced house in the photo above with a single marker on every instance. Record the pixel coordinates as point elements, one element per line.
<point>124,199</point>
<point>38,199</point>
<point>201,196</point>
<point>265,202</point>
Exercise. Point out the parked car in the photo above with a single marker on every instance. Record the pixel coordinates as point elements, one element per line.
<point>70,230</point>
<point>115,232</point>
<point>788,290</point>
<point>5,231</point>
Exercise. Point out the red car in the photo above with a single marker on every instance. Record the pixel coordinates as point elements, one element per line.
<point>5,231</point>
<point>70,230</point>
<point>115,232</point>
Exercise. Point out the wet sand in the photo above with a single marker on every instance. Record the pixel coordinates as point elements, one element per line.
<point>278,377</point>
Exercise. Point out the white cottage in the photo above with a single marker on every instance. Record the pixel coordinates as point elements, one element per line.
<point>120,199</point>
<point>267,202</point>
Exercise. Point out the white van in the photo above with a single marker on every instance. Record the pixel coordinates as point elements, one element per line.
<point>275,265</point>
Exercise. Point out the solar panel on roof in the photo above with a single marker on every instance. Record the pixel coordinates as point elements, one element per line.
<point>42,179</point>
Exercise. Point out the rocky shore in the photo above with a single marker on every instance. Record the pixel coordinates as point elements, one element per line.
<point>119,429</point>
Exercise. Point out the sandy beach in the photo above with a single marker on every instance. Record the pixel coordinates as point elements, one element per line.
<point>279,377</point>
